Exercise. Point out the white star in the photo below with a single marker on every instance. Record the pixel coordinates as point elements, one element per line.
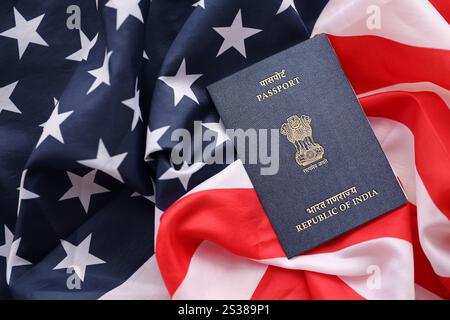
<point>86,46</point>
<point>133,104</point>
<point>125,8</point>
<point>234,36</point>
<point>25,32</point>
<point>200,3</point>
<point>5,98</point>
<point>78,257</point>
<point>83,187</point>
<point>285,5</point>
<point>220,129</point>
<point>184,174</point>
<point>152,144</point>
<point>9,251</point>
<point>144,54</point>
<point>101,74</point>
<point>24,194</point>
<point>181,83</point>
<point>149,198</point>
<point>104,162</point>
<point>96,4</point>
<point>51,126</point>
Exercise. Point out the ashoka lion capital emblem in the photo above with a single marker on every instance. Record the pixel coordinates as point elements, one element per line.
<point>299,132</point>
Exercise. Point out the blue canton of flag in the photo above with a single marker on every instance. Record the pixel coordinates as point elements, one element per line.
<point>86,116</point>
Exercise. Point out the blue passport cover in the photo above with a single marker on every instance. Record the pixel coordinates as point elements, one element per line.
<point>333,175</point>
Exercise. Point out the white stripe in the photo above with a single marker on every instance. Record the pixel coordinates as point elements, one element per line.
<point>234,277</point>
<point>443,93</point>
<point>381,268</point>
<point>233,176</point>
<point>158,214</point>
<point>434,231</point>
<point>215,273</point>
<point>397,142</point>
<point>417,23</point>
<point>149,271</point>
<point>412,22</point>
<point>145,284</point>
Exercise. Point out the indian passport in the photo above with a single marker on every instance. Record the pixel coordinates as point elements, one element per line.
<point>332,174</point>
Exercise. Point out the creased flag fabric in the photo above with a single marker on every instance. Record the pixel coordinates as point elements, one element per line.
<point>91,206</point>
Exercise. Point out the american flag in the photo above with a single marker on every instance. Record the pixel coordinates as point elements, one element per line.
<point>91,206</point>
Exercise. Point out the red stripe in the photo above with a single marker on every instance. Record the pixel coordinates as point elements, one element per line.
<point>427,116</point>
<point>372,62</point>
<point>279,283</point>
<point>224,217</point>
<point>235,220</point>
<point>190,220</point>
<point>443,6</point>
<point>423,271</point>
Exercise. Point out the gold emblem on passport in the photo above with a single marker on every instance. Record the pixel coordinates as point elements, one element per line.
<point>299,132</point>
